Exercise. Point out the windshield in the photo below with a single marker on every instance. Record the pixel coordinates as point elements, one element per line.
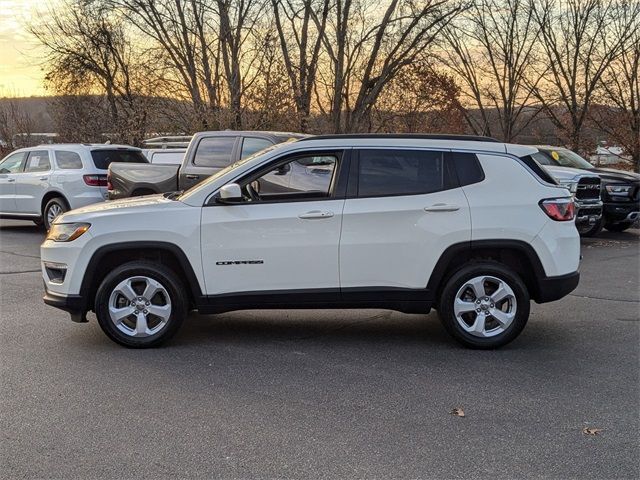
<point>226,170</point>
<point>564,158</point>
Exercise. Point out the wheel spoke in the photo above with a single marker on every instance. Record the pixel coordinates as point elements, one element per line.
<point>477,284</point>
<point>500,294</point>
<point>151,289</point>
<point>478,324</point>
<point>125,289</point>
<point>461,306</point>
<point>142,329</point>
<point>119,314</point>
<point>503,318</point>
<point>161,311</point>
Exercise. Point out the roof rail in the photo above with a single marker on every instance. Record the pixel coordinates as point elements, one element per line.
<point>420,136</point>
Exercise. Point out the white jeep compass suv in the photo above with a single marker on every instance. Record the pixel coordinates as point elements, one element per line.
<point>409,223</point>
<point>39,183</point>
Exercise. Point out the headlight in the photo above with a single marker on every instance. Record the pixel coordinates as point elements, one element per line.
<point>571,186</point>
<point>618,190</point>
<point>66,232</point>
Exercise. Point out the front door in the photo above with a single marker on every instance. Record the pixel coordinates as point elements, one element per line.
<point>283,237</point>
<point>9,171</point>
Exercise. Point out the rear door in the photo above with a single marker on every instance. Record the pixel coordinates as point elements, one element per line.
<point>33,182</point>
<point>10,168</point>
<point>213,153</point>
<point>402,213</point>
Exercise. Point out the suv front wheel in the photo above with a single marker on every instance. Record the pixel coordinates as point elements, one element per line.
<point>484,305</point>
<point>140,304</point>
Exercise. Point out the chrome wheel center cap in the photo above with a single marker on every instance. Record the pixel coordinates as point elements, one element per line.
<point>140,304</point>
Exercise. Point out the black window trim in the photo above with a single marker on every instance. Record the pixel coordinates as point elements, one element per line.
<point>337,190</point>
<point>353,188</point>
<point>235,153</point>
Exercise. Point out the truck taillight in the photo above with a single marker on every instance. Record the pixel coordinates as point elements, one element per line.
<point>109,186</point>
<point>95,180</point>
<point>559,209</point>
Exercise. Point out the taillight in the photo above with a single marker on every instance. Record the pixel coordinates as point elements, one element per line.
<point>109,186</point>
<point>95,180</point>
<point>559,209</point>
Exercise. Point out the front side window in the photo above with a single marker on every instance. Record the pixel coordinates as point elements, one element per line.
<point>13,163</point>
<point>251,145</point>
<point>38,161</point>
<point>68,160</point>
<point>308,177</point>
<point>214,152</point>
<point>400,172</point>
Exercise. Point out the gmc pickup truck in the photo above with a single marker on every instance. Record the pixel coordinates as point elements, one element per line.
<point>208,153</point>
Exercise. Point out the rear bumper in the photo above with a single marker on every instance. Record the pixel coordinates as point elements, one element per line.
<point>554,288</point>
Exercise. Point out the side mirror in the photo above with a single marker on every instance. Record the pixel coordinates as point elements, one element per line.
<point>282,169</point>
<point>230,193</point>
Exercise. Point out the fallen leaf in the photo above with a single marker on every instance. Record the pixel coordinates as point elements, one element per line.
<point>458,412</point>
<point>591,431</point>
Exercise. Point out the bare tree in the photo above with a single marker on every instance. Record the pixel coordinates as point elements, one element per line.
<point>368,45</point>
<point>578,47</point>
<point>301,26</point>
<point>490,50</point>
<point>618,112</point>
<point>16,126</point>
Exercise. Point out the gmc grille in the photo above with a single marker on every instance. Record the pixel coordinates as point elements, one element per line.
<point>588,189</point>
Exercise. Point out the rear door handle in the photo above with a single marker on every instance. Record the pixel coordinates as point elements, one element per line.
<point>192,177</point>
<point>44,178</point>
<point>10,180</point>
<point>315,214</point>
<point>442,207</point>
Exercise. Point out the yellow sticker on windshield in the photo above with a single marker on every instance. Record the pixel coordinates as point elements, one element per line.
<point>555,155</point>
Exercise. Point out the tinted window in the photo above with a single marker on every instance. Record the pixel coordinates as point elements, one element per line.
<point>13,163</point>
<point>400,172</point>
<point>541,158</point>
<point>251,145</point>
<point>214,152</point>
<point>38,161</point>
<point>103,158</point>
<point>564,158</point>
<point>68,160</point>
<point>468,168</point>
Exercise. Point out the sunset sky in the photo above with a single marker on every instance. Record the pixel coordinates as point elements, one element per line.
<point>20,56</point>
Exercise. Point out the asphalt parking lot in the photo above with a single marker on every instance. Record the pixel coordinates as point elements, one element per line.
<point>324,394</point>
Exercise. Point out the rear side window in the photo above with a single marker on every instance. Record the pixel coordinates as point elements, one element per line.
<point>467,167</point>
<point>167,158</point>
<point>102,158</point>
<point>214,152</point>
<point>38,161</point>
<point>68,160</point>
<point>251,145</point>
<point>401,172</point>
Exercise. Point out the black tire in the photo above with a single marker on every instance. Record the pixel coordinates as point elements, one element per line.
<point>618,227</point>
<point>458,280</point>
<point>39,222</point>
<point>590,230</point>
<point>167,279</point>
<point>56,202</point>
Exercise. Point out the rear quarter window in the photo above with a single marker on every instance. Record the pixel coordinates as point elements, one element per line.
<point>103,158</point>
<point>68,160</point>
<point>214,152</point>
<point>468,168</point>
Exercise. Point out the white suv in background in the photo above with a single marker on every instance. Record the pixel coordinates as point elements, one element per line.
<point>409,223</point>
<point>39,183</point>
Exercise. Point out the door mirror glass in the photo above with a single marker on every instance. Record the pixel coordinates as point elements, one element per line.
<point>230,193</point>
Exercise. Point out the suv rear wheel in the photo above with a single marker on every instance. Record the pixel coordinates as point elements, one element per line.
<point>54,207</point>
<point>140,304</point>
<point>484,305</point>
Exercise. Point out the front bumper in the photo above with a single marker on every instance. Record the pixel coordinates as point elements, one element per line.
<point>554,288</point>
<point>588,212</point>
<point>620,211</point>
<point>72,304</point>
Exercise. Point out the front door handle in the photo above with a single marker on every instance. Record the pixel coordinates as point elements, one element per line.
<point>44,178</point>
<point>11,180</point>
<point>192,177</point>
<point>442,207</point>
<point>315,214</point>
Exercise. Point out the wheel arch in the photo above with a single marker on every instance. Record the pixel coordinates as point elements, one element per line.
<point>515,254</point>
<point>110,256</point>
<point>50,194</point>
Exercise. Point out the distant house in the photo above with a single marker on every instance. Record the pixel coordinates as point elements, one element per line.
<point>606,154</point>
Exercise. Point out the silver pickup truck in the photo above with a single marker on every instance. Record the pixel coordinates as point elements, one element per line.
<point>208,153</point>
